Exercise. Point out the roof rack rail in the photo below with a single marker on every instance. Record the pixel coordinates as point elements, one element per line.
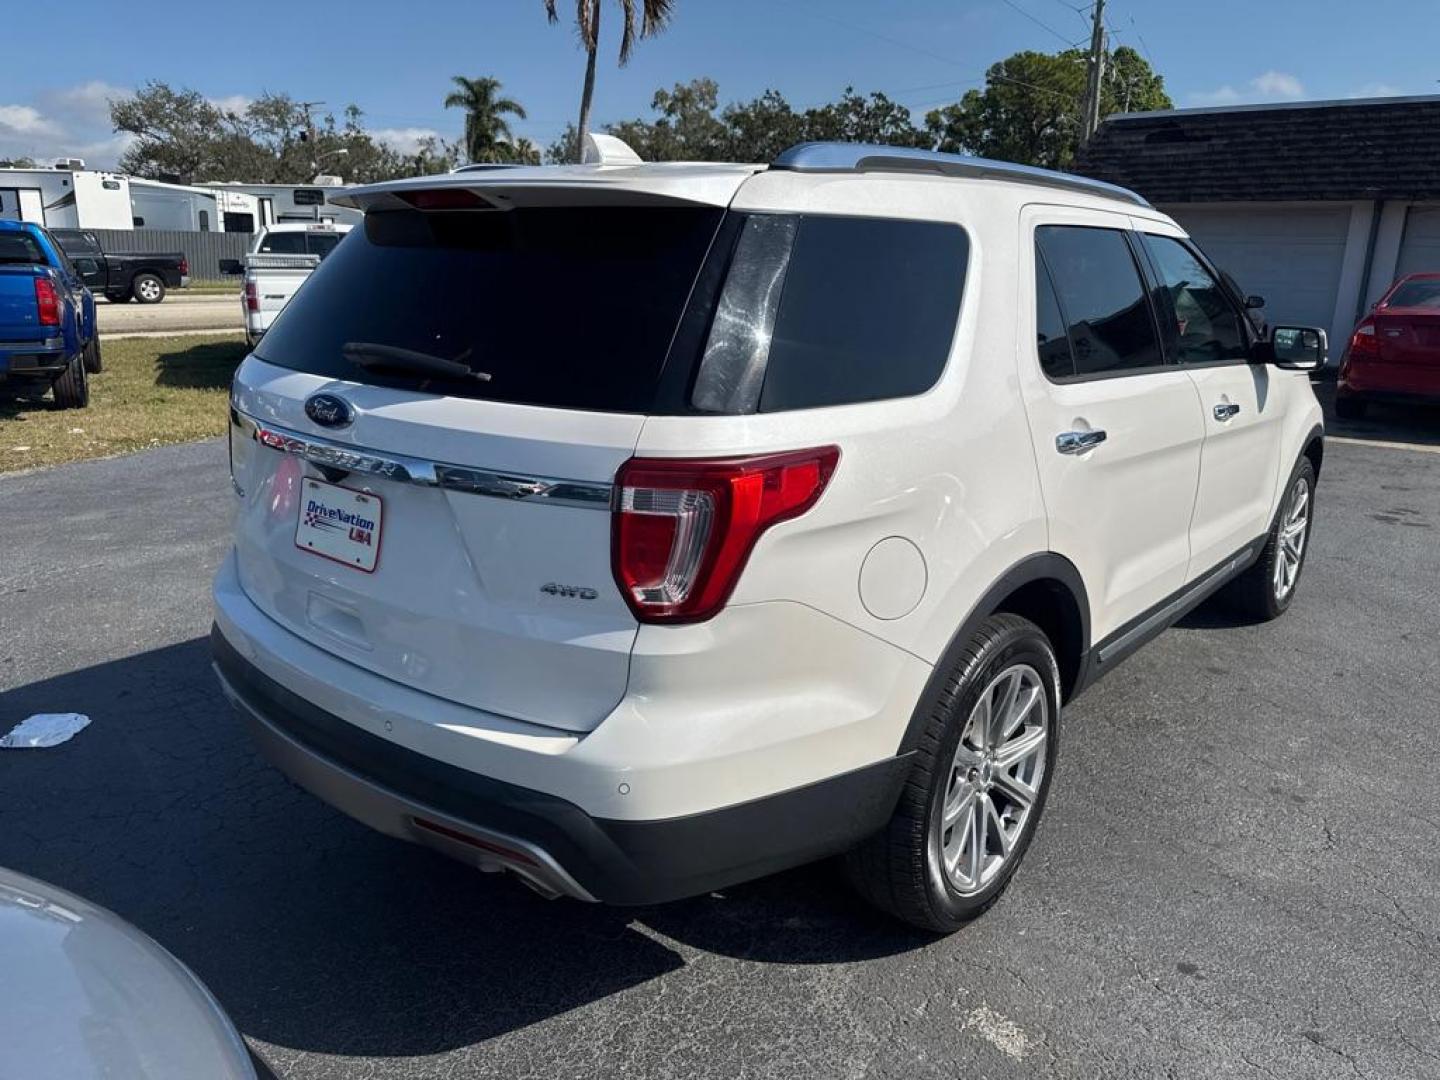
<point>862,157</point>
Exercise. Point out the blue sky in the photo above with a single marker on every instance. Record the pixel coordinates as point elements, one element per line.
<point>395,59</point>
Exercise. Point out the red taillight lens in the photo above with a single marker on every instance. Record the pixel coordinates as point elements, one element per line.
<point>684,529</point>
<point>252,297</point>
<point>1364,345</point>
<point>184,266</point>
<point>47,303</point>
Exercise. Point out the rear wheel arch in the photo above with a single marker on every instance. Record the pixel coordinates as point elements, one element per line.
<point>1044,588</point>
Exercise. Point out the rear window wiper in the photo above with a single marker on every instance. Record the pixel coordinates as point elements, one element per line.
<point>373,356</point>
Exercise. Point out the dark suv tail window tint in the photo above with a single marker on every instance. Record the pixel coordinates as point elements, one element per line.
<point>831,311</point>
<point>868,311</point>
<point>571,307</point>
<point>1106,312</point>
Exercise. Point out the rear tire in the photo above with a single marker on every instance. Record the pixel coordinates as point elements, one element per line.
<point>1350,408</point>
<point>148,288</point>
<point>72,389</point>
<point>1266,590</point>
<point>94,364</point>
<point>969,807</point>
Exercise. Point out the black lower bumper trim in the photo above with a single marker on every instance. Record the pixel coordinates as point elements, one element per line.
<point>618,862</point>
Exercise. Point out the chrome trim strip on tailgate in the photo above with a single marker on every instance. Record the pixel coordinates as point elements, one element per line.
<point>405,469</point>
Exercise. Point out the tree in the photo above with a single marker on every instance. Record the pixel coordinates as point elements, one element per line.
<point>640,18</point>
<point>486,126</point>
<point>181,136</point>
<point>1029,111</point>
<point>689,128</point>
<point>17,163</point>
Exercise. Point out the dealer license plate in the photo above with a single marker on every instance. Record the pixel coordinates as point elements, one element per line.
<point>339,524</point>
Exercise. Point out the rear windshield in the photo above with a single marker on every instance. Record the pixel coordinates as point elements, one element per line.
<point>633,309</point>
<point>299,243</point>
<point>1424,293</point>
<point>75,243</point>
<point>19,247</point>
<point>569,307</point>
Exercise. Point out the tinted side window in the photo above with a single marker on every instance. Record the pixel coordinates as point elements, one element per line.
<point>821,311</point>
<point>1052,342</point>
<point>868,311</point>
<point>1205,325</point>
<point>1102,298</point>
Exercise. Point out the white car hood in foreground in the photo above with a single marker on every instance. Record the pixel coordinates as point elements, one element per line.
<point>86,995</point>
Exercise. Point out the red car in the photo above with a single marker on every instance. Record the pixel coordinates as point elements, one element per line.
<point>1394,354</point>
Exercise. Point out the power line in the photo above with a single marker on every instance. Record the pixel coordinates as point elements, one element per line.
<point>1037,21</point>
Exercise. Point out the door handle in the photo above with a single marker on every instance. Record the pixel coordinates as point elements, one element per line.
<point>1077,442</point>
<point>1226,411</point>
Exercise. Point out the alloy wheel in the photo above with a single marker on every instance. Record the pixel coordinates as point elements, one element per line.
<point>995,778</point>
<point>1294,529</point>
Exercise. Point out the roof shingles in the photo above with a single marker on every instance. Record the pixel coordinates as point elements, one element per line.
<point>1360,150</point>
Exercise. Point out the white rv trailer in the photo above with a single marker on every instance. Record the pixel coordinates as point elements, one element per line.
<point>65,198</point>
<point>279,204</point>
<point>79,198</point>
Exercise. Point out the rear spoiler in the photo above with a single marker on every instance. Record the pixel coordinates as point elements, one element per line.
<point>701,184</point>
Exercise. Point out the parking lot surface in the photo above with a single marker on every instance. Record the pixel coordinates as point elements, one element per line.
<point>1236,876</point>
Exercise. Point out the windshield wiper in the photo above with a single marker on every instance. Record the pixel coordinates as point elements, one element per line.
<point>373,356</point>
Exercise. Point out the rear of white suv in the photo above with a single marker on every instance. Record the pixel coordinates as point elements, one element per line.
<point>641,530</point>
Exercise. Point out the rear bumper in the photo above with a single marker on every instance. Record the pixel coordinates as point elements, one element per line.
<point>43,358</point>
<point>1350,390</point>
<point>550,842</point>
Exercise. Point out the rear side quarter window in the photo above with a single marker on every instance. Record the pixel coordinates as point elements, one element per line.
<point>819,311</point>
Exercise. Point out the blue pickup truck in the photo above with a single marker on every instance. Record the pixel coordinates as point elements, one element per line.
<point>48,338</point>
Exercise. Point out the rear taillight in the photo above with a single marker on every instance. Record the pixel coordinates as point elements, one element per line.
<point>47,303</point>
<point>683,529</point>
<point>184,266</point>
<point>252,297</point>
<point>1364,345</point>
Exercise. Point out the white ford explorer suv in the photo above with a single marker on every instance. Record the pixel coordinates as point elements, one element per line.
<point>641,529</point>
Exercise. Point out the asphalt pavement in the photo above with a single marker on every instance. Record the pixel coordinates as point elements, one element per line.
<point>1236,876</point>
<point>178,312</point>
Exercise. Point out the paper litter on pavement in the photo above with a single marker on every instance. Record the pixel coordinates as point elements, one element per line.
<point>44,729</point>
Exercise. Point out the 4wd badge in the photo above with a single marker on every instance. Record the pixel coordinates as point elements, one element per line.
<point>569,592</point>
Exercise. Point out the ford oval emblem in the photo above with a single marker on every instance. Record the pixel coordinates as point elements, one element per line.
<point>327,410</point>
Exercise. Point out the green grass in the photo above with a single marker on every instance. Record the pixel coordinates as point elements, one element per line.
<point>153,391</point>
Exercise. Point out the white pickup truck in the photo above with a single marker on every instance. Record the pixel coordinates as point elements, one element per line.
<point>280,259</point>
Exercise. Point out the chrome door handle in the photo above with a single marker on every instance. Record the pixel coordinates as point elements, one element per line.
<point>1077,442</point>
<point>1225,412</point>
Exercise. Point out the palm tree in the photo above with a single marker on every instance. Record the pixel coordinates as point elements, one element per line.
<point>485,111</point>
<point>642,18</point>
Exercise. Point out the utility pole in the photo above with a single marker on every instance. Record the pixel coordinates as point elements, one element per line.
<point>1090,119</point>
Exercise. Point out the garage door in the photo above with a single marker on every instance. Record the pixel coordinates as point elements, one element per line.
<point>1291,257</point>
<point>1420,250</point>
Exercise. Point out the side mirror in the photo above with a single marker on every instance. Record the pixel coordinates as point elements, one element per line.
<point>1252,301</point>
<point>232,266</point>
<point>1295,348</point>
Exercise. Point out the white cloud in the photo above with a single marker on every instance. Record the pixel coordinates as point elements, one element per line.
<point>1268,87</point>
<point>23,120</point>
<point>1279,84</point>
<point>87,102</point>
<point>1378,89</point>
<point>405,140</point>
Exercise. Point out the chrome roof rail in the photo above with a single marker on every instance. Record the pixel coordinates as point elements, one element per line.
<point>862,157</point>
